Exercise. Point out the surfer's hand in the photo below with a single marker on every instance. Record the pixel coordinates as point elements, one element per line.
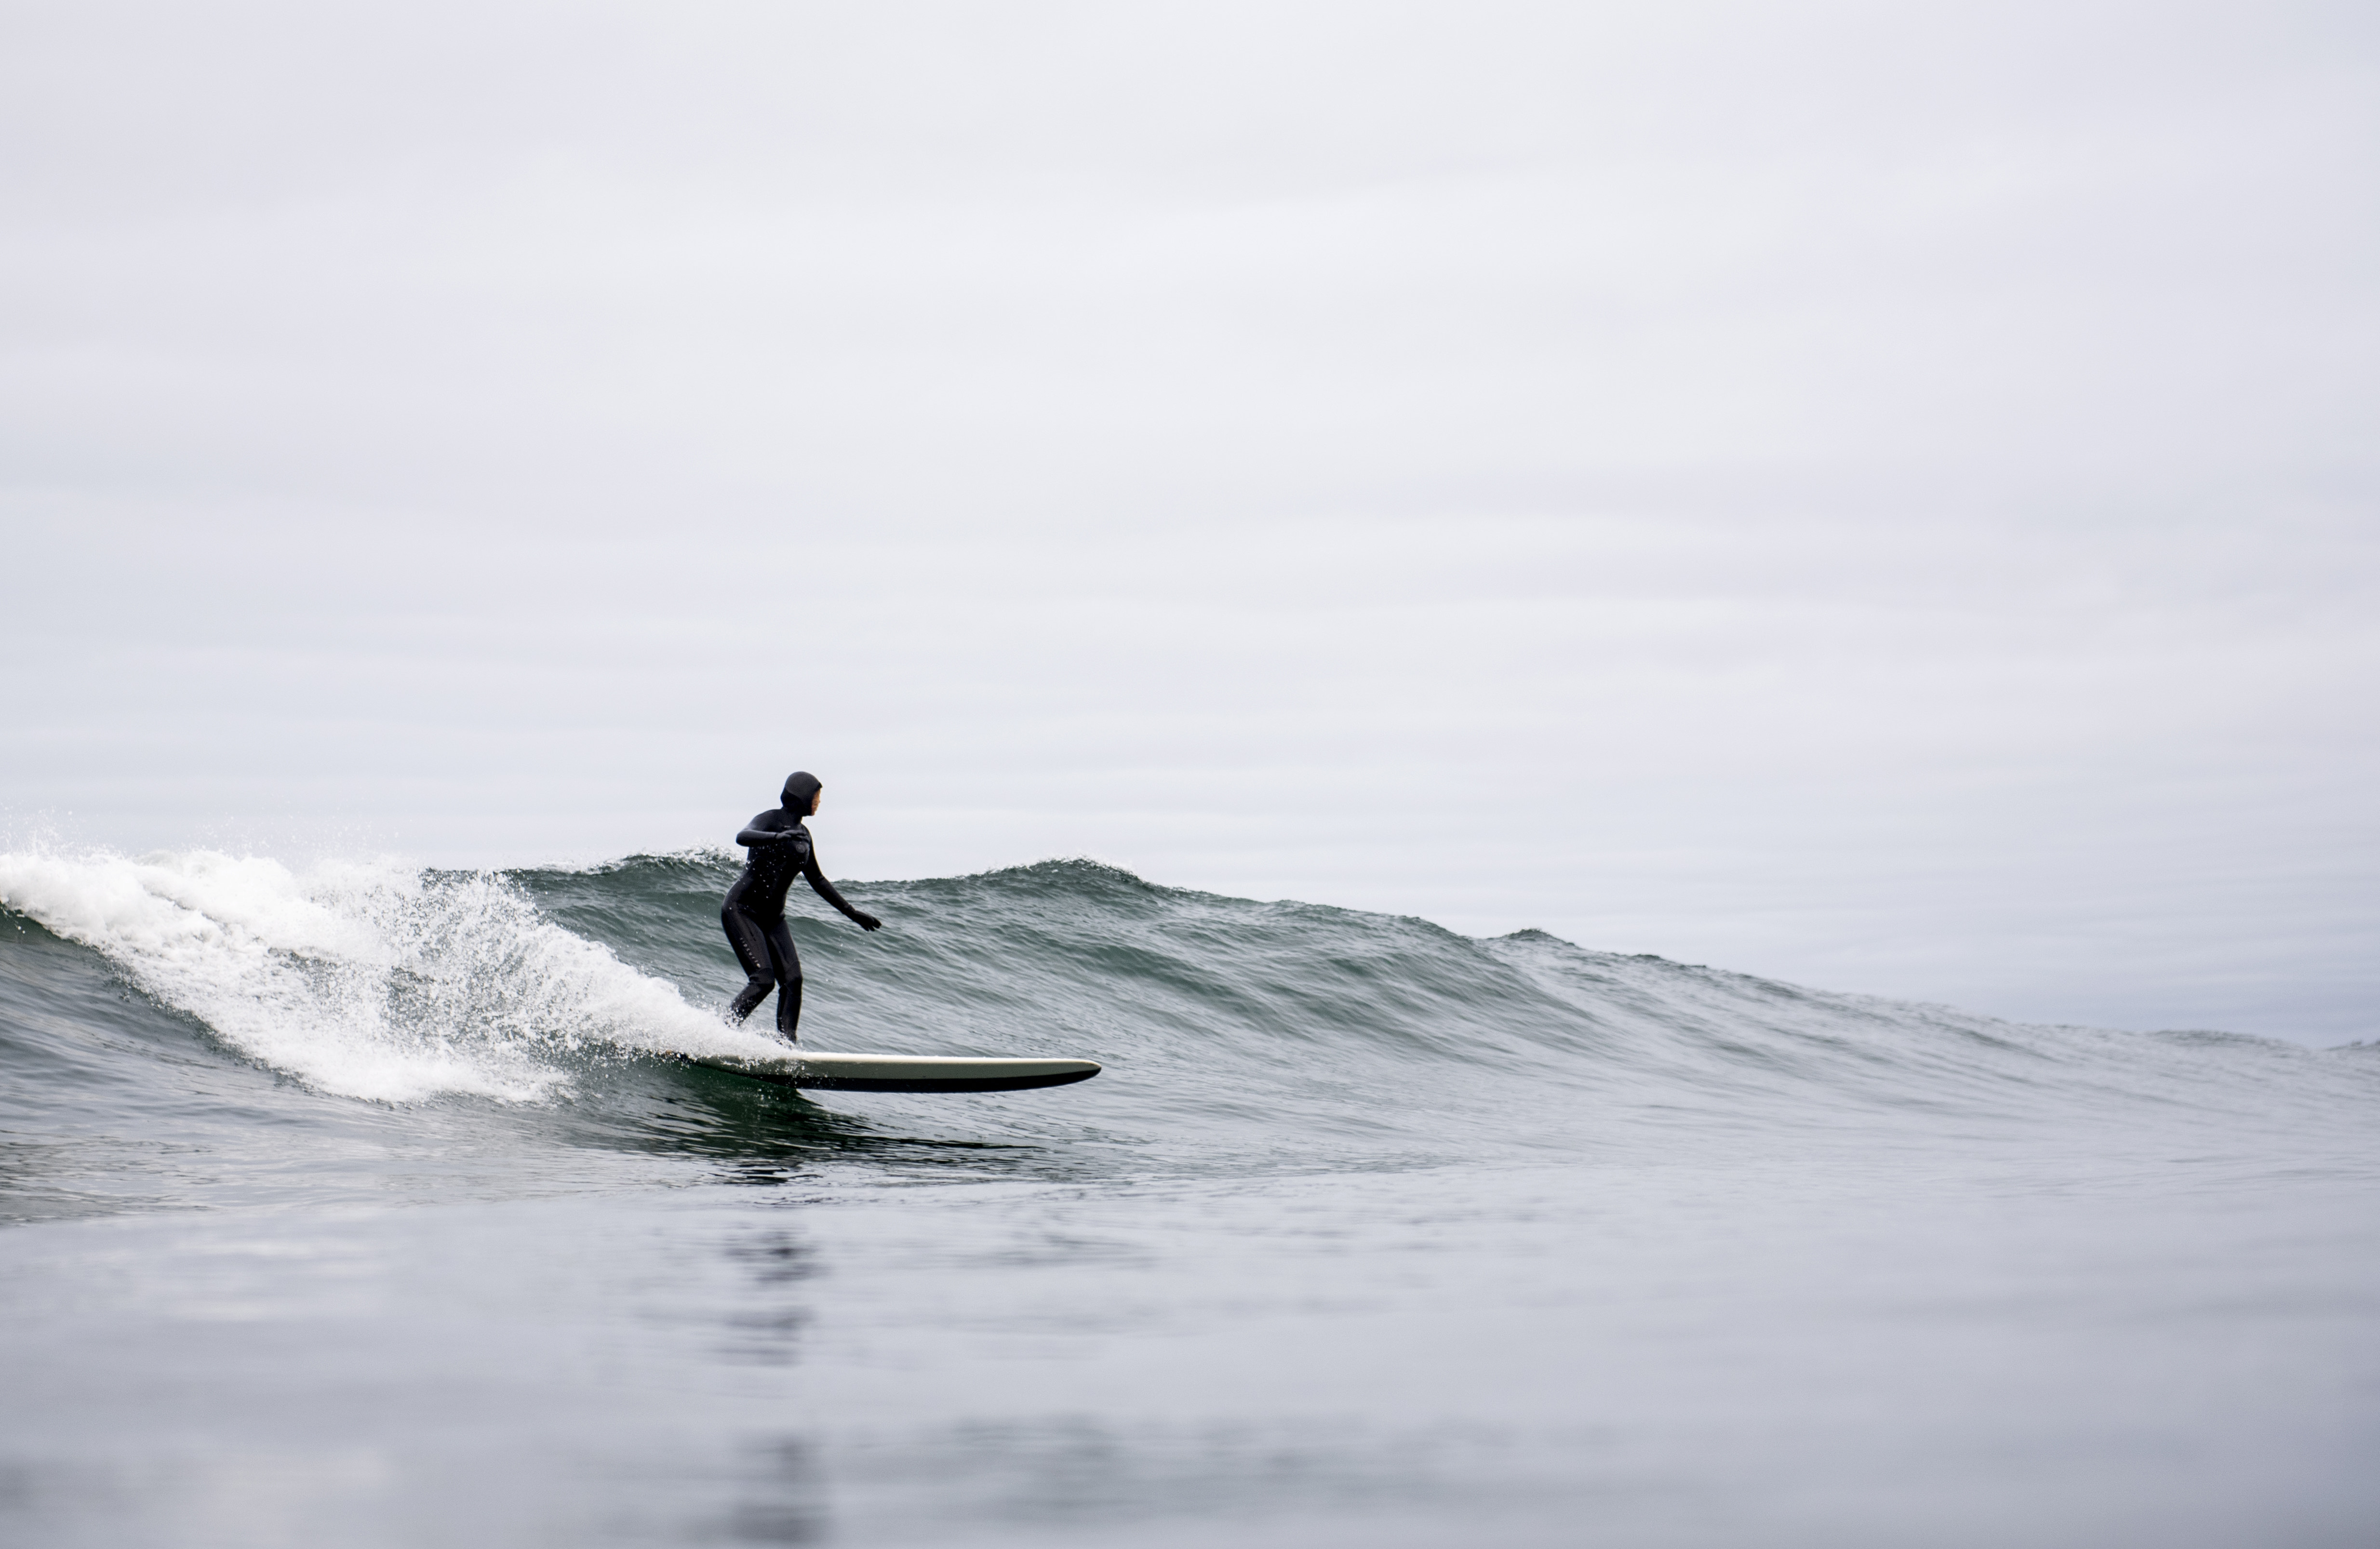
<point>866,921</point>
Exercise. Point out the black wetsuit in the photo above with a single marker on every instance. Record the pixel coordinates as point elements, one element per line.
<point>755,912</point>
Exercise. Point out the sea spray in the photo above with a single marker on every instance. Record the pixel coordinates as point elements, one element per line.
<point>370,979</point>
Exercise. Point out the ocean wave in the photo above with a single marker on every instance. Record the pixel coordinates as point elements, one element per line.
<point>1279,1028</point>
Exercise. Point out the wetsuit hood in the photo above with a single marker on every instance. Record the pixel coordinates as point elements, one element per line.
<point>800,786</point>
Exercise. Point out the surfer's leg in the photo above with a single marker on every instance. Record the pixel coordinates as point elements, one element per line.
<point>788,963</point>
<point>752,944</point>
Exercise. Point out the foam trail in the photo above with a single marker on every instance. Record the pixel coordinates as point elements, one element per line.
<point>375,980</point>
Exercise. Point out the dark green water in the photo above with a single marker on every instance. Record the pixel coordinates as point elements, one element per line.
<point>357,1205</point>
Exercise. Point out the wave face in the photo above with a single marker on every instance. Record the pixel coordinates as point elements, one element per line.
<point>1235,1034</point>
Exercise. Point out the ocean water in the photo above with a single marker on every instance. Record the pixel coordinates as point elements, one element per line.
<point>358,1205</point>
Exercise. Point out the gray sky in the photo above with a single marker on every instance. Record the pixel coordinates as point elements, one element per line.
<point>1881,496</point>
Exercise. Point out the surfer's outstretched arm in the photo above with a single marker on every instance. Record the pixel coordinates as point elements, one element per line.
<point>825,890</point>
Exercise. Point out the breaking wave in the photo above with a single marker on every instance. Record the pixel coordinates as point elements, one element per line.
<point>1235,1030</point>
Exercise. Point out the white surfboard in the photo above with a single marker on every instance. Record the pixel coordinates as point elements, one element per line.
<point>900,1072</point>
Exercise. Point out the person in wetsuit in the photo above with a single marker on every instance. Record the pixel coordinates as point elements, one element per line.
<point>755,912</point>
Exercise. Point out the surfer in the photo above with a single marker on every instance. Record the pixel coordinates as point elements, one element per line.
<point>755,912</point>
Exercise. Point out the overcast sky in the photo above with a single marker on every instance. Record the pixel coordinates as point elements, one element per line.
<point>1882,496</point>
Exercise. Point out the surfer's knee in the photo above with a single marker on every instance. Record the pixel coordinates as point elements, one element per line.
<point>757,983</point>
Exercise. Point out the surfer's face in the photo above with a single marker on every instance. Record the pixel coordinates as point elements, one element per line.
<point>817,796</point>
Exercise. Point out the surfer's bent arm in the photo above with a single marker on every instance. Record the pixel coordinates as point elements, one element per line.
<point>757,835</point>
<point>825,890</point>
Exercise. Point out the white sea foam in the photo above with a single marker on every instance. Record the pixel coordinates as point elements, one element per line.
<point>372,979</point>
